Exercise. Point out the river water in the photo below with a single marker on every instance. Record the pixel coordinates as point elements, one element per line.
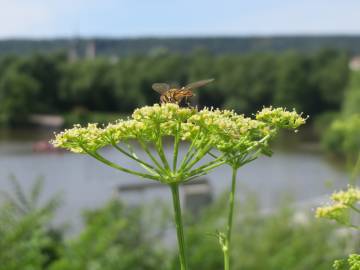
<point>86,183</point>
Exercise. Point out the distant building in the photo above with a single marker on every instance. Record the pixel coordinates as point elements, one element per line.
<point>73,50</point>
<point>90,51</point>
<point>79,49</point>
<point>355,63</point>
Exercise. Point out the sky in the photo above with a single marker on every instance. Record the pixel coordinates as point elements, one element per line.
<point>138,18</point>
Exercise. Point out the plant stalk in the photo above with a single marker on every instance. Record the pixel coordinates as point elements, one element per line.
<point>150,155</point>
<point>115,166</point>
<point>179,226</point>
<point>227,246</point>
<point>176,147</point>
<point>226,259</point>
<point>355,171</point>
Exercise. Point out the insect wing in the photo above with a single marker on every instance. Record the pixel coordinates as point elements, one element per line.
<point>198,84</point>
<point>161,88</point>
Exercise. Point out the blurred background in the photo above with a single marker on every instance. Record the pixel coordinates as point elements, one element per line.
<point>66,62</point>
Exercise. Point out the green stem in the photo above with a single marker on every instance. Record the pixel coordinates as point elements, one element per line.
<point>355,209</point>
<point>258,143</point>
<point>355,171</point>
<point>226,260</point>
<point>213,155</point>
<point>146,165</point>
<point>176,147</point>
<point>189,155</point>
<point>198,157</point>
<point>115,166</point>
<point>151,156</point>
<point>231,204</point>
<point>179,226</point>
<point>190,152</point>
<point>227,247</point>
<point>160,150</point>
<point>208,166</point>
<point>195,176</point>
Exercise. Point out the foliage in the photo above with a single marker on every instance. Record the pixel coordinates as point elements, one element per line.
<point>117,236</point>
<point>342,137</point>
<point>113,238</point>
<point>323,122</point>
<point>351,263</point>
<point>29,85</point>
<point>17,95</point>
<point>352,95</point>
<point>344,209</point>
<point>88,84</point>
<point>284,239</point>
<point>26,239</point>
<point>51,84</point>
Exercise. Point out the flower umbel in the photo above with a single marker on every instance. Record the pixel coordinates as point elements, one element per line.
<point>239,139</point>
<point>281,118</point>
<point>340,207</point>
<point>233,135</point>
<point>351,263</point>
<point>79,138</point>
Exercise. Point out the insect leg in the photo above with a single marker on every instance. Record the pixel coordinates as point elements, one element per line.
<point>187,102</point>
<point>162,99</point>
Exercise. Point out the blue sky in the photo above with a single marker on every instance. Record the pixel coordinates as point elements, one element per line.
<point>136,18</point>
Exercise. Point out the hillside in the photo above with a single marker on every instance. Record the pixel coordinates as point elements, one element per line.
<point>123,47</point>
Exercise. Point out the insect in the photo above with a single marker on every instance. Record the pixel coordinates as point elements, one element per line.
<point>176,95</point>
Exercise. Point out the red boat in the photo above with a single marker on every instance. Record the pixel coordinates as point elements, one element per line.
<point>44,147</point>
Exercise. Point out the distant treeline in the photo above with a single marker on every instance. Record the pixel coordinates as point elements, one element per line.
<point>50,83</point>
<point>214,45</point>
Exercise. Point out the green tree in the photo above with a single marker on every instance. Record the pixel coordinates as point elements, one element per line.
<point>352,95</point>
<point>293,87</point>
<point>88,84</point>
<point>18,92</point>
<point>312,83</point>
<point>47,71</point>
<point>329,75</point>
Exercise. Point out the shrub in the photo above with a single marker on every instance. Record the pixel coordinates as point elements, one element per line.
<point>342,137</point>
